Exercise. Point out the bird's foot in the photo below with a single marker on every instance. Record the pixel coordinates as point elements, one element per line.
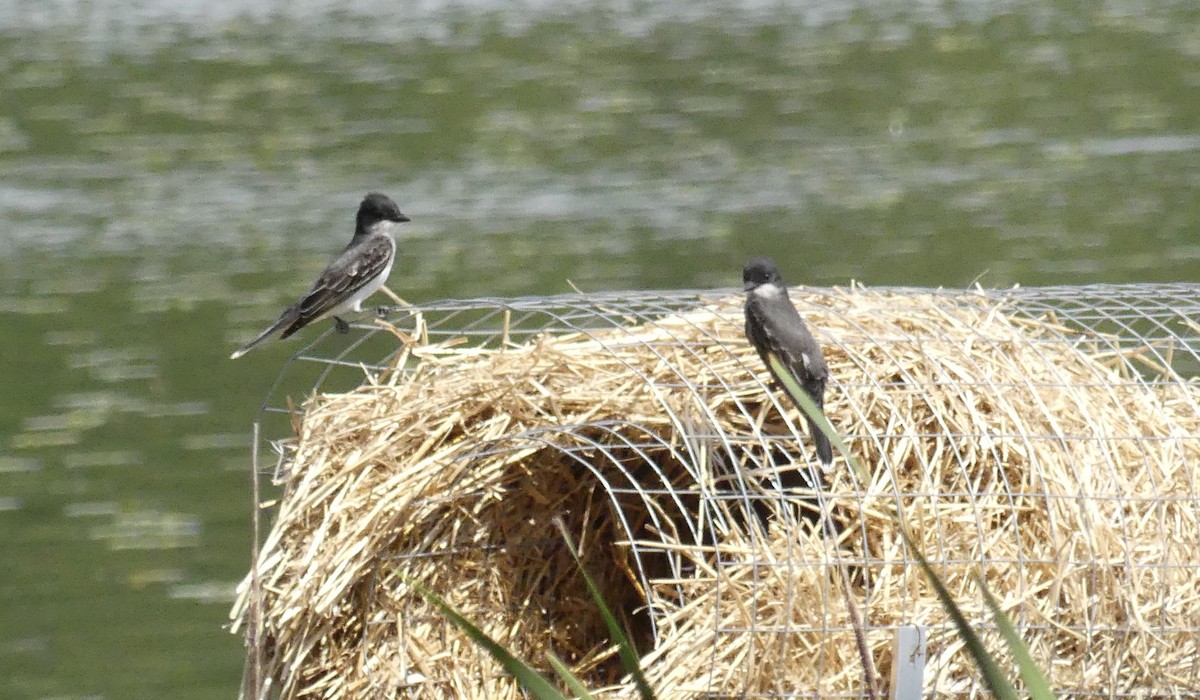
<point>342,327</point>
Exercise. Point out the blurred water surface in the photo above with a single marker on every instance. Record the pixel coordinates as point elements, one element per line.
<point>171,173</point>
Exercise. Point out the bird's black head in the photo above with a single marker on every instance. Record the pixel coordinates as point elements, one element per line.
<point>759,271</point>
<point>377,207</point>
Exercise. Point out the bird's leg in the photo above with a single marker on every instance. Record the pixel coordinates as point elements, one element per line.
<point>342,327</point>
<point>383,310</point>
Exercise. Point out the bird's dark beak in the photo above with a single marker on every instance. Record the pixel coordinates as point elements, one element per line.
<point>748,286</point>
<point>402,219</point>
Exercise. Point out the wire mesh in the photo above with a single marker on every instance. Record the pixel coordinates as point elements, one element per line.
<point>1115,518</point>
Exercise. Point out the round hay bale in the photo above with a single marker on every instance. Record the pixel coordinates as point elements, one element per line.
<point>1054,451</point>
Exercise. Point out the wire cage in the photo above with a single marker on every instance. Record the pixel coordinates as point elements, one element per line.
<point>1044,442</point>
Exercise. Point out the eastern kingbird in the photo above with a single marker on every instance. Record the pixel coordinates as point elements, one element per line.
<point>355,274</point>
<point>774,327</point>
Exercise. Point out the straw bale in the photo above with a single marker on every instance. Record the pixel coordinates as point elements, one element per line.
<point>1014,446</point>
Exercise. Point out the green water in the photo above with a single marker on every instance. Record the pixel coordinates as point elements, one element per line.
<point>170,176</point>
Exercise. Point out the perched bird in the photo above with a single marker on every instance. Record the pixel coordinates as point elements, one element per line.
<point>775,328</point>
<point>355,274</point>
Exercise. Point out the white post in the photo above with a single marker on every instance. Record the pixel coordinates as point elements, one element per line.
<point>908,670</point>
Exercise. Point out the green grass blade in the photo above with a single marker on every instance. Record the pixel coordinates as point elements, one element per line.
<point>569,679</point>
<point>1035,680</point>
<point>1031,674</point>
<point>988,668</point>
<point>629,657</point>
<point>801,399</point>
<point>529,679</point>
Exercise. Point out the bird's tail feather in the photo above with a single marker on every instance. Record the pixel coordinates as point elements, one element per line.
<point>287,317</point>
<point>824,448</point>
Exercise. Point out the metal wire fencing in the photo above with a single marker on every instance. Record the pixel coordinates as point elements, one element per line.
<point>1046,441</point>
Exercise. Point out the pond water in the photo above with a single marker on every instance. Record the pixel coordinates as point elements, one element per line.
<point>171,174</point>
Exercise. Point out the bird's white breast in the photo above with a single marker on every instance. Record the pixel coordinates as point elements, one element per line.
<point>768,291</point>
<point>354,301</point>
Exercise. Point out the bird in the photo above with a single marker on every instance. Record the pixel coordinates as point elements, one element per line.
<point>774,327</point>
<point>355,274</point>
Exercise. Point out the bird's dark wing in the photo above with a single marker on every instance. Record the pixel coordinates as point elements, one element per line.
<point>357,265</point>
<point>778,328</point>
<point>775,328</point>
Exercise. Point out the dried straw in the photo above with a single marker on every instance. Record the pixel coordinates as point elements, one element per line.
<point>1013,446</point>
